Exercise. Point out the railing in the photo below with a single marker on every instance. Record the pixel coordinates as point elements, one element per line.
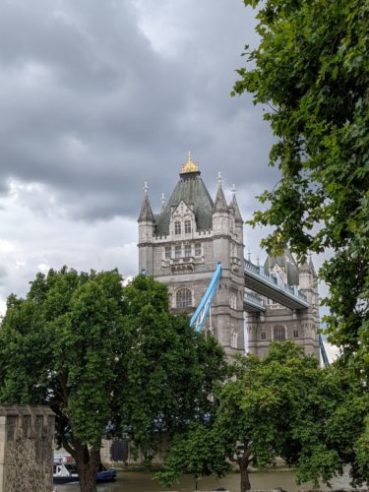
<point>254,299</point>
<point>274,280</point>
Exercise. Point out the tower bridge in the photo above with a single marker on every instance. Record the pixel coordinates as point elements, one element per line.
<point>192,237</point>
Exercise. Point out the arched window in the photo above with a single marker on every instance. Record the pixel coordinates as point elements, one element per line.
<point>177,251</point>
<point>168,251</point>
<point>279,333</point>
<point>187,225</point>
<point>234,340</point>
<point>233,300</point>
<point>187,250</point>
<point>177,227</point>
<point>183,298</point>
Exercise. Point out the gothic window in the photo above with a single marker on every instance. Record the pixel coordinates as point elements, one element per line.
<point>295,333</point>
<point>263,335</point>
<point>183,298</point>
<point>234,341</point>
<point>168,251</point>
<point>177,227</point>
<point>233,300</point>
<point>187,226</point>
<point>178,251</point>
<point>197,249</point>
<point>279,333</point>
<point>187,250</point>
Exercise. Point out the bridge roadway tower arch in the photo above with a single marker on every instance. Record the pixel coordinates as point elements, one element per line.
<point>181,246</point>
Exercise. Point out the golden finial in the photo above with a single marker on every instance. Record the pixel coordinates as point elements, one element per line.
<point>190,166</point>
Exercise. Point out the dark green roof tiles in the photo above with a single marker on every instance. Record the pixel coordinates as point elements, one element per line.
<point>191,189</point>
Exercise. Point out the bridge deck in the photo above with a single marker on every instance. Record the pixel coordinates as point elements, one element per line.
<point>252,303</point>
<point>269,286</point>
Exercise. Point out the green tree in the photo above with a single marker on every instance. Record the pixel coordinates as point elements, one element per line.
<point>284,405</point>
<point>310,73</point>
<point>99,353</point>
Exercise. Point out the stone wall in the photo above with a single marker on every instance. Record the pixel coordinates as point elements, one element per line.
<point>26,449</point>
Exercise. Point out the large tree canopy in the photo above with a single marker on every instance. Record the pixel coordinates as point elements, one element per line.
<point>284,405</point>
<point>103,355</point>
<point>311,73</point>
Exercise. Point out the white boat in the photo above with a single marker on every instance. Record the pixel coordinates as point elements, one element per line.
<point>64,473</point>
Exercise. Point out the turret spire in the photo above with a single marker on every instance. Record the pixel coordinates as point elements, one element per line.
<point>146,213</point>
<point>220,204</point>
<point>235,207</point>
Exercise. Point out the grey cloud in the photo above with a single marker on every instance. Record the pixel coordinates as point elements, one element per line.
<point>90,109</point>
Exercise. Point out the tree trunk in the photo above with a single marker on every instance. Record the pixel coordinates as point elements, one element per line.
<point>245,481</point>
<point>88,463</point>
<point>243,463</point>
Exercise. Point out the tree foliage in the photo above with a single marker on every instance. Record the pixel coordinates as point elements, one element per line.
<point>310,72</point>
<point>103,355</point>
<point>284,405</point>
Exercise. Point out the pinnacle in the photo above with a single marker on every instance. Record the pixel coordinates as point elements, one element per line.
<point>220,204</point>
<point>237,213</point>
<point>146,213</point>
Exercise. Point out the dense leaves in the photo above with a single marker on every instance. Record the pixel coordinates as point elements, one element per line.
<point>105,358</point>
<point>311,75</point>
<point>310,72</point>
<point>282,406</point>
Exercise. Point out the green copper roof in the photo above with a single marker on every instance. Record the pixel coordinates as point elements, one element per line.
<point>191,189</point>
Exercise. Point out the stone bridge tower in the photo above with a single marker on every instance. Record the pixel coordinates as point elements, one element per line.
<point>279,323</point>
<point>182,245</point>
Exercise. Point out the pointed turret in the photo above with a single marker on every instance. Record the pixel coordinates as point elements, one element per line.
<point>309,281</point>
<point>234,205</point>
<point>146,224</point>
<point>220,204</point>
<point>146,213</point>
<point>312,268</point>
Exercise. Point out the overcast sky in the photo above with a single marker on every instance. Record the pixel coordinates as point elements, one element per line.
<point>99,96</point>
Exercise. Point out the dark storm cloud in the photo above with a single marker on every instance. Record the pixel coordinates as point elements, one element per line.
<point>91,109</point>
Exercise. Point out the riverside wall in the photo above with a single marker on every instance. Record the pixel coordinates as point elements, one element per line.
<point>26,448</point>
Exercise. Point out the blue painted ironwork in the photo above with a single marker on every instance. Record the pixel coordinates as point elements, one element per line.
<point>199,316</point>
<point>323,351</point>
